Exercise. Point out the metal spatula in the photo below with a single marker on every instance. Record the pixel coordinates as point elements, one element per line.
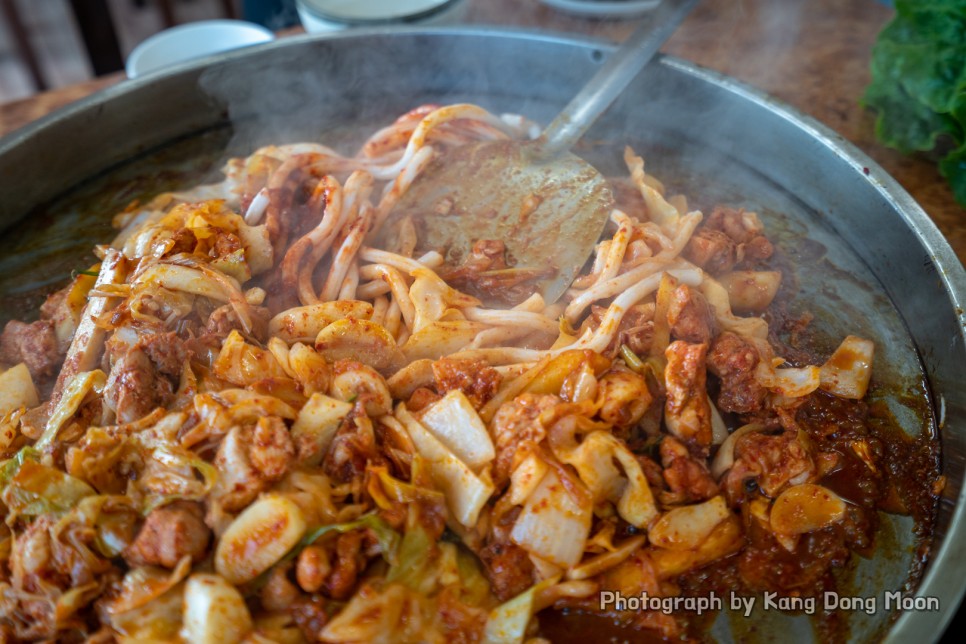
<point>545,204</point>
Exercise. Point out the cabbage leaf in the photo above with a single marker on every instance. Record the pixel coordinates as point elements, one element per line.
<point>37,489</point>
<point>507,623</point>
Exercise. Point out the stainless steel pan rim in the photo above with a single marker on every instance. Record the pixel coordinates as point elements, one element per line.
<point>945,575</point>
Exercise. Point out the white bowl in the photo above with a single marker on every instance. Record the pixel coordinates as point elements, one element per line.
<point>604,8</point>
<point>319,16</point>
<point>193,40</point>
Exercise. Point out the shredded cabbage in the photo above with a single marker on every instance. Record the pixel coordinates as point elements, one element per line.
<point>466,493</point>
<point>37,489</point>
<point>507,623</point>
<point>457,425</point>
<point>76,391</point>
<point>554,525</point>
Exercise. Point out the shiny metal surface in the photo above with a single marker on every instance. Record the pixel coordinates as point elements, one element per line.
<point>548,213</point>
<point>613,76</point>
<point>886,271</point>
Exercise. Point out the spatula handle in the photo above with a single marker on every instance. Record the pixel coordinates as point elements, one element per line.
<point>609,82</point>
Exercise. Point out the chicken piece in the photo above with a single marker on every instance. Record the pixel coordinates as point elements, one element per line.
<point>507,566</point>
<point>652,471</point>
<point>773,461</point>
<point>30,343</point>
<point>225,244</point>
<point>623,397</point>
<point>712,250</point>
<point>740,225</point>
<point>34,344</point>
<point>166,351</point>
<point>168,534</point>
<point>224,320</point>
<point>758,248</point>
<point>687,412</point>
<point>517,423</point>
<point>508,569</point>
<point>353,448</point>
<point>726,239</point>
<point>688,479</point>
<point>474,378</point>
<point>637,331</point>
<point>689,316</point>
<point>745,229</point>
<point>636,328</point>
<point>133,387</point>
<point>733,359</point>
<point>249,459</point>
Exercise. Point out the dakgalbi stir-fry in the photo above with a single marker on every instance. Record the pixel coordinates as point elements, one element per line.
<point>252,421</point>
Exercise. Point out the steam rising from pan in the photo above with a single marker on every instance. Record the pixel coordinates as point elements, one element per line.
<point>284,97</point>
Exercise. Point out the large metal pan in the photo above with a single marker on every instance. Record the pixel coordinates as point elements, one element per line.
<point>880,269</point>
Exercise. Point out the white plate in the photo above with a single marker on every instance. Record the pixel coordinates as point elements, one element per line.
<point>603,8</point>
<point>193,40</point>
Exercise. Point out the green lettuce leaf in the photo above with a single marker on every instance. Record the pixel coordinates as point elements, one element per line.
<point>919,83</point>
<point>953,167</point>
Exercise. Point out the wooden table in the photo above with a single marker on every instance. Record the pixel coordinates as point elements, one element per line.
<point>812,54</point>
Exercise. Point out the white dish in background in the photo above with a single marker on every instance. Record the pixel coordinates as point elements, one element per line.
<point>604,8</point>
<point>193,40</point>
<point>319,16</point>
